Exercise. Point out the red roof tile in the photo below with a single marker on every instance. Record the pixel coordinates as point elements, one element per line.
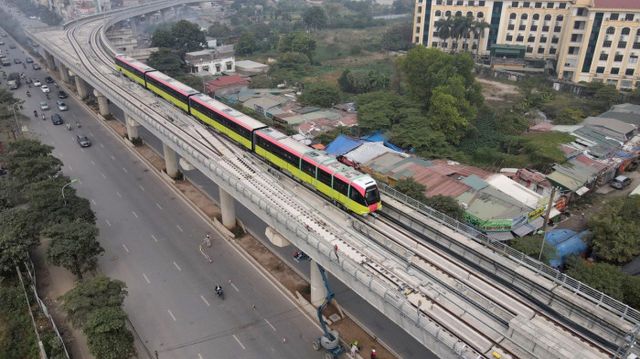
<point>617,4</point>
<point>225,81</point>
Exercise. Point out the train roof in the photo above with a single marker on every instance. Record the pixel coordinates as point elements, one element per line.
<point>139,65</point>
<point>240,118</point>
<point>172,83</point>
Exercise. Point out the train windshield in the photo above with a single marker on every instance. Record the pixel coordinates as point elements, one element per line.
<point>372,195</point>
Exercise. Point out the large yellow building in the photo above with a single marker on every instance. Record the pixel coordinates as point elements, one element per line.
<point>589,40</point>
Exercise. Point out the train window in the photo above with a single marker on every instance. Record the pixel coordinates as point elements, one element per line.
<point>291,158</point>
<point>309,169</point>
<point>340,186</point>
<point>324,177</point>
<point>373,196</point>
<point>356,196</point>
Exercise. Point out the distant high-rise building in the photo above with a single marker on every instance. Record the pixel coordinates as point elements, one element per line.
<point>590,40</point>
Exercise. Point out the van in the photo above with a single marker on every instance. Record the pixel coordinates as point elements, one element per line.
<point>620,182</point>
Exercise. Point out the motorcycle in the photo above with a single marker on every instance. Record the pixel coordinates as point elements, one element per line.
<point>28,94</point>
<point>35,113</point>
<point>219,292</point>
<point>78,124</point>
<point>69,126</point>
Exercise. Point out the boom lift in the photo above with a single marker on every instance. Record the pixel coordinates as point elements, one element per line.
<point>330,340</point>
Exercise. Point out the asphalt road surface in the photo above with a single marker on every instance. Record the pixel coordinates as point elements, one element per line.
<point>151,241</point>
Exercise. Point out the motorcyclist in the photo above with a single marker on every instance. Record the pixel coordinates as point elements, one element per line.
<point>28,93</point>
<point>35,113</point>
<point>218,290</point>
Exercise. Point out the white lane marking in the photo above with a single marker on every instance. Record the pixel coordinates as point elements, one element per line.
<point>271,325</point>
<point>108,223</point>
<point>200,356</point>
<point>239,342</point>
<point>154,238</point>
<point>158,205</point>
<point>177,266</point>
<point>125,170</point>
<point>171,314</point>
<point>146,278</point>
<point>93,162</point>
<point>118,193</point>
<point>80,182</point>
<point>125,247</point>
<point>113,158</point>
<point>103,175</point>
<point>101,145</point>
<point>82,149</point>
<point>142,188</point>
<point>70,168</point>
<point>179,228</point>
<point>205,300</point>
<point>234,287</point>
<point>91,134</point>
<point>134,214</point>
<point>93,201</point>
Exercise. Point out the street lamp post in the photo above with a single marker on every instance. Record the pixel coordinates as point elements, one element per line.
<point>65,186</point>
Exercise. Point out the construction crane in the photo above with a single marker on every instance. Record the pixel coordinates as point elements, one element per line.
<point>330,340</point>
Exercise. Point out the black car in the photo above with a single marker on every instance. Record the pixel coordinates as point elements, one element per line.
<point>56,119</point>
<point>36,67</point>
<point>17,61</point>
<point>48,80</point>
<point>62,94</point>
<point>29,60</point>
<point>83,141</point>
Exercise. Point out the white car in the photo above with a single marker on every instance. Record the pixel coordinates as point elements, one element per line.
<point>37,83</point>
<point>61,105</point>
<point>44,106</point>
<point>45,89</point>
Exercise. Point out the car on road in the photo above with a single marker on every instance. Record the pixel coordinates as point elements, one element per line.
<point>33,17</point>
<point>620,182</point>
<point>61,105</point>
<point>28,60</point>
<point>37,83</point>
<point>12,46</point>
<point>62,94</point>
<point>1,42</point>
<point>44,106</point>
<point>56,119</point>
<point>36,66</point>
<point>83,141</point>
<point>48,80</point>
<point>17,61</point>
<point>45,88</point>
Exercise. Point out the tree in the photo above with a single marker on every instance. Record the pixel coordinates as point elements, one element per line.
<point>605,97</point>
<point>319,94</point>
<point>17,339</point>
<point>631,291</point>
<point>91,294</point>
<point>447,205</point>
<point>74,246</point>
<point>29,161</point>
<point>411,188</point>
<point>246,44</point>
<point>107,334</point>
<point>445,117</point>
<point>292,60</point>
<point>188,36</point>
<point>362,82</point>
<point>444,28</point>
<point>46,205</point>
<point>163,38</point>
<point>397,37</point>
<point>616,230</point>
<point>18,236</point>
<point>314,18</point>
<point>297,42</point>
<point>219,30</point>
<point>569,116</point>
<point>601,276</point>
<point>167,61</point>
<point>531,245</point>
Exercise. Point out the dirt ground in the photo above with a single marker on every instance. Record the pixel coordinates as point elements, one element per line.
<point>497,91</point>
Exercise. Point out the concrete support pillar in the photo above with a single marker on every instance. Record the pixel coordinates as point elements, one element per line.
<point>64,73</point>
<point>318,290</point>
<point>170,161</point>
<point>51,62</point>
<point>132,127</point>
<point>103,103</point>
<point>228,209</point>
<point>81,87</point>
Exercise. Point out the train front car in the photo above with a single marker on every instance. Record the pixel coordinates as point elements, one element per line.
<point>368,188</point>
<point>132,68</point>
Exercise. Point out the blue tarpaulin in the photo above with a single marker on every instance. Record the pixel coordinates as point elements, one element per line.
<point>566,243</point>
<point>379,137</point>
<point>342,144</point>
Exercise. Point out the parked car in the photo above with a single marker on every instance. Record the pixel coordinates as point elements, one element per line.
<point>48,80</point>
<point>44,106</point>
<point>17,61</point>
<point>56,119</point>
<point>83,141</point>
<point>61,105</point>
<point>620,182</point>
<point>36,66</point>
<point>62,94</point>
<point>1,42</point>
<point>12,46</point>
<point>37,83</point>
<point>45,88</point>
<point>28,60</point>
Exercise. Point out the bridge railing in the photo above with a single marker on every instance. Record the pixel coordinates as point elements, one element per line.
<point>600,299</point>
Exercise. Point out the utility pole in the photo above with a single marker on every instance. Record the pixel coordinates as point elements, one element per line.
<point>546,219</point>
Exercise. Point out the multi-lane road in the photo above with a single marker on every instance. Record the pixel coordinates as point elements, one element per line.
<point>151,239</point>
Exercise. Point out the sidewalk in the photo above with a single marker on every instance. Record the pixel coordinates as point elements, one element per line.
<point>259,254</point>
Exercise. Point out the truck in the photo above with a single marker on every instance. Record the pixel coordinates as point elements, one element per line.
<point>13,81</point>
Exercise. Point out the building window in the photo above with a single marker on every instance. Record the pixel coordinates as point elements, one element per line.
<point>600,70</point>
<point>629,72</point>
<point>554,40</point>
<point>417,29</point>
<point>481,3</point>
<point>618,57</point>
<point>562,5</point>
<point>520,38</point>
<point>628,17</point>
<point>606,43</point>
<point>512,16</point>
<point>447,14</point>
<point>480,15</point>
<point>604,56</point>
<point>615,70</point>
<point>538,5</point>
<point>416,40</point>
<point>611,30</point>
<point>576,37</point>
<point>458,13</point>
<point>633,59</point>
<point>509,37</point>
<point>529,49</point>
<point>469,14</point>
<point>581,11</point>
<point>626,31</point>
<point>515,4</point>
<point>525,4</point>
<point>636,45</point>
<point>552,51</point>
<point>541,50</point>
<point>459,3</point>
<point>543,40</point>
<point>434,44</point>
<point>511,27</point>
<point>438,13</point>
<point>614,16</point>
<point>545,28</point>
<point>531,39</point>
<point>622,44</point>
<point>419,10</point>
<point>522,27</point>
<point>419,19</point>
<point>524,17</point>
<point>547,17</point>
<point>534,27</point>
<point>535,17</point>
<point>557,29</point>
<point>578,25</point>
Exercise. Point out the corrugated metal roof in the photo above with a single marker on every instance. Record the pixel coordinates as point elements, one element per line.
<point>367,151</point>
<point>565,181</point>
<point>475,182</point>
<point>624,116</point>
<point>618,129</point>
<point>512,188</point>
